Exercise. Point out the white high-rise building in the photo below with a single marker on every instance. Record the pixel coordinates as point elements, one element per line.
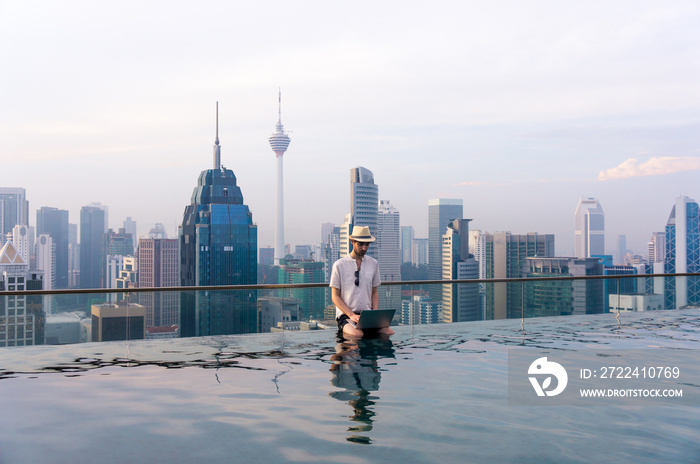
<point>657,247</point>
<point>23,240</point>
<point>589,229</point>
<point>46,262</point>
<point>113,266</point>
<point>345,231</point>
<point>477,247</point>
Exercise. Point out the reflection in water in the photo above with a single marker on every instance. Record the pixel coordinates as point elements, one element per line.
<point>355,369</point>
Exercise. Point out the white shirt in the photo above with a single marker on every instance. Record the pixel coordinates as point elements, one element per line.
<point>357,298</point>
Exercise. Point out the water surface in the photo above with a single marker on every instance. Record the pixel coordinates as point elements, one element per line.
<point>429,394</point>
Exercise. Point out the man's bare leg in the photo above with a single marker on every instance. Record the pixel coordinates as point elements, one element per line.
<point>351,331</point>
<point>386,331</point>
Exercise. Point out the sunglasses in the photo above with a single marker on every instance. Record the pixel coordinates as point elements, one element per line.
<point>357,278</point>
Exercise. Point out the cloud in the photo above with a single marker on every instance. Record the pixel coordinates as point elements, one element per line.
<point>471,183</point>
<point>653,167</point>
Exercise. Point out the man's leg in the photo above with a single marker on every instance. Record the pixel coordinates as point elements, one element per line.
<point>351,331</point>
<point>386,331</point>
<point>348,329</point>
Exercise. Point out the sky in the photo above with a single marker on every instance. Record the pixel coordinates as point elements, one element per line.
<point>520,109</point>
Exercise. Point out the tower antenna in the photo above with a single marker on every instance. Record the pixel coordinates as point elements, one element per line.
<point>217,147</point>
<point>279,142</point>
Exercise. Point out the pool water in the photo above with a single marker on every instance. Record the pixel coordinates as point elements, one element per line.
<point>435,393</point>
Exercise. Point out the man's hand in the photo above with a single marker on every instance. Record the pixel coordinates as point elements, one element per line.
<point>355,318</point>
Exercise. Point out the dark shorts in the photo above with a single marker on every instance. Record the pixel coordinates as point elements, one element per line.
<point>342,320</point>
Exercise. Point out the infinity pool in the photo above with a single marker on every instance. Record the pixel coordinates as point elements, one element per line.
<point>435,393</point>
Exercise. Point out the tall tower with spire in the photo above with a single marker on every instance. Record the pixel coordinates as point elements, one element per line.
<point>218,246</point>
<point>279,141</point>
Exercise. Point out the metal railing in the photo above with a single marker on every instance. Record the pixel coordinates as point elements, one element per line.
<point>325,284</point>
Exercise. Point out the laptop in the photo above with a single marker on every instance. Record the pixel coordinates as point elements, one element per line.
<point>375,319</point>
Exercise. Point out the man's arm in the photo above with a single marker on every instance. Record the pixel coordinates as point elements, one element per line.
<point>338,301</point>
<point>375,297</point>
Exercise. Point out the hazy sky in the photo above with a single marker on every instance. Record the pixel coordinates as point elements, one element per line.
<point>518,108</point>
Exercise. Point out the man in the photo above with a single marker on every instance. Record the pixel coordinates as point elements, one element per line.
<point>354,284</point>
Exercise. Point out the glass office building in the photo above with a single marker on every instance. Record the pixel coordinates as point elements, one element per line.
<point>682,254</point>
<point>218,246</point>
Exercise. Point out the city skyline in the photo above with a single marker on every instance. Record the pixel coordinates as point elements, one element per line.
<point>519,111</point>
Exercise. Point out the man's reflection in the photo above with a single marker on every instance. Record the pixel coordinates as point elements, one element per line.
<point>355,368</point>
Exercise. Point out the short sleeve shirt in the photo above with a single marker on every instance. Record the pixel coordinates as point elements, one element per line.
<point>358,298</point>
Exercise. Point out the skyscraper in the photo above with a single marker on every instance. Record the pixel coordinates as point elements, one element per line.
<point>92,230</point>
<point>460,302</point>
<point>682,254</point>
<point>54,222</point>
<point>388,254</point>
<point>14,210</point>
<point>158,263</point>
<point>441,212</point>
<point>420,310</point>
<point>46,263</point>
<point>589,229</point>
<point>23,241</point>
<point>331,251</point>
<point>119,243</point>
<point>45,260</point>
<point>621,249</point>
<point>131,228</point>
<point>419,252</point>
<point>407,236</point>
<point>104,208</point>
<point>657,248</point>
<point>279,141</point>
<point>344,232</point>
<point>218,246</point>
<point>364,202</point>
<point>116,247</point>
<point>506,257</point>
<point>21,317</point>
<point>387,246</point>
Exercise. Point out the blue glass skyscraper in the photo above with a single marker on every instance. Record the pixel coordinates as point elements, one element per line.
<point>218,246</point>
<point>682,254</point>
